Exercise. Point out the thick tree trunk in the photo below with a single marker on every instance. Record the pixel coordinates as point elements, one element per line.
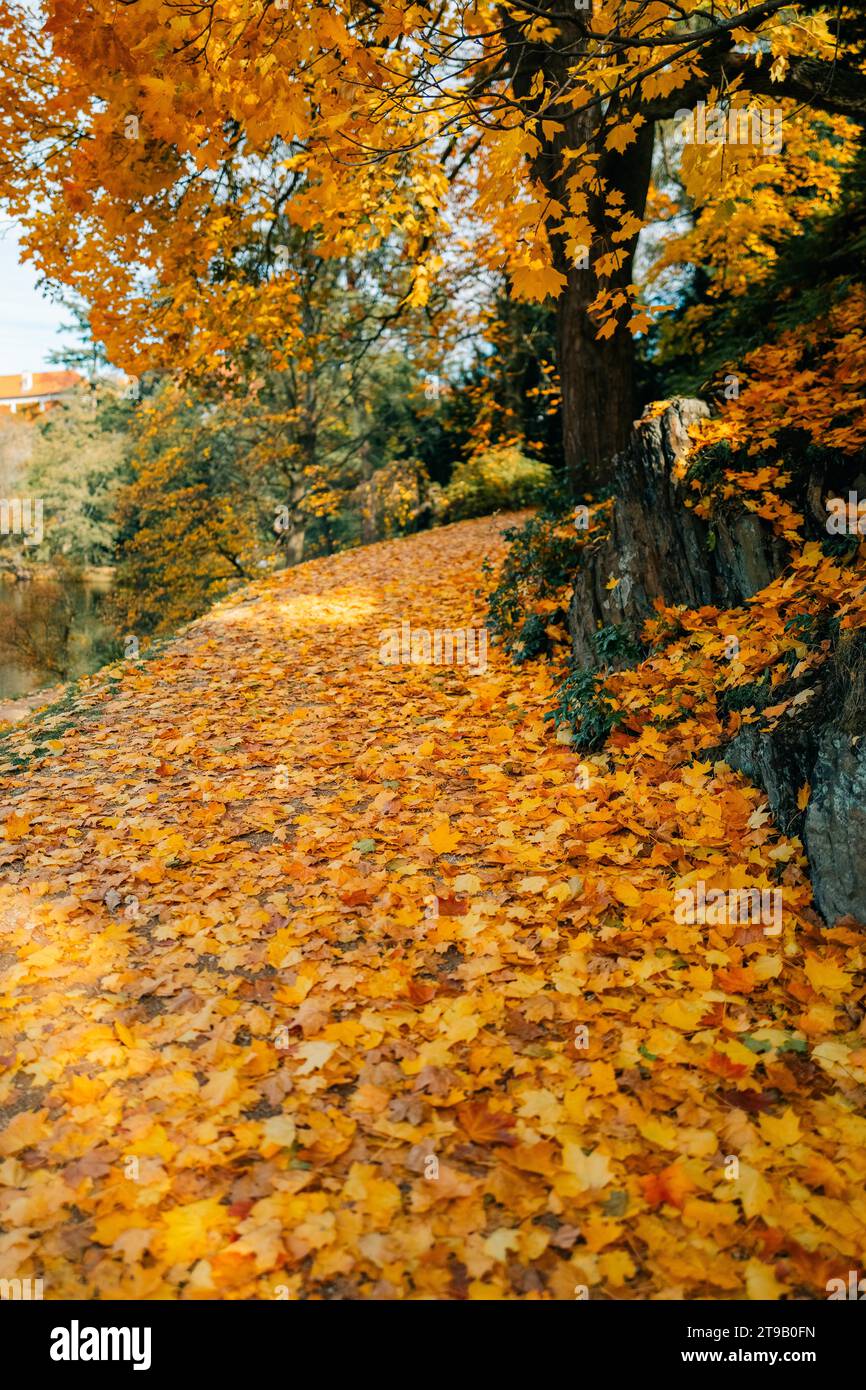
<point>599,404</point>
<point>596,383</point>
<point>596,375</point>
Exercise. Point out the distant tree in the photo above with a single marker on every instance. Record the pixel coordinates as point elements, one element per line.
<point>16,440</point>
<point>79,461</point>
<point>85,354</point>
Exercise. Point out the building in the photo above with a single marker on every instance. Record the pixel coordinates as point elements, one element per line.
<point>30,393</point>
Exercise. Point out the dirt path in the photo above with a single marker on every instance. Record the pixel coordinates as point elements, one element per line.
<point>324,978</point>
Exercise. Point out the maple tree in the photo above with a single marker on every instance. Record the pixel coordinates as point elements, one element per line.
<point>91,427</point>
<point>336,977</point>
<point>140,141</point>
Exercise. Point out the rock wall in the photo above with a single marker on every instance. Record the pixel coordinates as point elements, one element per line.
<point>658,548</point>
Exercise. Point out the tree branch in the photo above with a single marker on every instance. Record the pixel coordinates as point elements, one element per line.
<point>829,86</point>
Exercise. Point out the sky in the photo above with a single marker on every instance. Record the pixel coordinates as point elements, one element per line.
<point>29,323</point>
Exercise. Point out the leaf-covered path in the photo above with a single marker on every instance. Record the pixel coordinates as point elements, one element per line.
<point>326,978</point>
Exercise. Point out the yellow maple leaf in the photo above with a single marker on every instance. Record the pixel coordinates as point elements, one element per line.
<point>315,1055</point>
<point>685,1014</point>
<point>535,884</point>
<point>442,839</point>
<point>591,1170</point>
<point>825,977</point>
<point>536,282</point>
<point>16,827</point>
<point>783,1131</point>
<point>752,1189</point>
<point>616,1266</point>
<point>192,1230</point>
<point>279,1133</point>
<point>761,1281</point>
<point>623,133</point>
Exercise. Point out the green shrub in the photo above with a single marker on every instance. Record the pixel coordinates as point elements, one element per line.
<point>614,645</point>
<point>542,557</point>
<point>586,706</point>
<point>501,478</point>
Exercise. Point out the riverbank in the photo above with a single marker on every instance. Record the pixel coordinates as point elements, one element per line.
<point>14,573</point>
<point>13,711</point>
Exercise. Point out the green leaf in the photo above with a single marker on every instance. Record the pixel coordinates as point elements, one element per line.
<point>616,1204</point>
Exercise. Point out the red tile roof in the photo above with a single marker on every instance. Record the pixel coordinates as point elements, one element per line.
<point>42,384</point>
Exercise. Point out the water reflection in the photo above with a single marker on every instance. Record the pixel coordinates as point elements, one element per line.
<point>52,630</point>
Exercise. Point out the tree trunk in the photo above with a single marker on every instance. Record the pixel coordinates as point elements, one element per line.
<point>596,375</point>
<point>596,384</point>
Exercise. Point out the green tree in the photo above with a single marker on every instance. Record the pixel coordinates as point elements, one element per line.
<point>79,461</point>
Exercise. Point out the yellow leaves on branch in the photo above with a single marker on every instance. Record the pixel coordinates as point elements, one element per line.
<point>811,379</point>
<point>536,281</point>
<point>622,135</point>
<point>748,196</point>
<point>361,107</point>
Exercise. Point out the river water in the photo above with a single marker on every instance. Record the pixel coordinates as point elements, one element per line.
<point>51,631</point>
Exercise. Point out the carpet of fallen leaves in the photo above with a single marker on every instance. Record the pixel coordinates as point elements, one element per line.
<point>325,978</point>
